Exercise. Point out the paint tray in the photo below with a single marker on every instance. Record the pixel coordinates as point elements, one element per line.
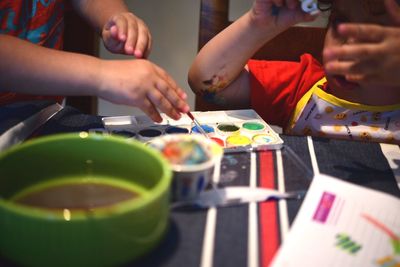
<point>235,130</point>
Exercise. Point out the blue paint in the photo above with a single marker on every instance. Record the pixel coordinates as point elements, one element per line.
<point>206,128</point>
<point>176,130</point>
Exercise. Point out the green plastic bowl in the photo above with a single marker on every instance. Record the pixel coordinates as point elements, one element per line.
<point>103,236</point>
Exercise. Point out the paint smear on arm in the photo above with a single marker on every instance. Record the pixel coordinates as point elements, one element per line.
<point>211,89</point>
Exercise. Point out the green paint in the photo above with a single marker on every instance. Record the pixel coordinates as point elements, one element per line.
<point>228,128</point>
<point>253,126</point>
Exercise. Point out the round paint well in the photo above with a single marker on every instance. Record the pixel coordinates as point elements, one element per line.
<point>253,126</point>
<point>262,139</point>
<point>176,130</point>
<point>206,128</point>
<point>237,140</point>
<point>147,134</point>
<point>124,133</point>
<point>219,141</point>
<point>228,129</point>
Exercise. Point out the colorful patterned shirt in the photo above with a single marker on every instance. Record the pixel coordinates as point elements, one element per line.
<point>37,21</point>
<point>321,114</point>
<point>292,95</point>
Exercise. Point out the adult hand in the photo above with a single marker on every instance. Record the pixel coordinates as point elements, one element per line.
<point>125,33</point>
<point>142,84</point>
<point>373,55</point>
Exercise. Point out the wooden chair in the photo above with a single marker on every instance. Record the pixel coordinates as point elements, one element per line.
<point>288,46</point>
<point>81,38</point>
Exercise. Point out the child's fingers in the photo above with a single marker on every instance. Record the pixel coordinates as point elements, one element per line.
<point>148,107</point>
<point>165,76</point>
<point>149,46</point>
<point>142,40</point>
<point>355,78</point>
<point>172,96</point>
<point>131,40</point>
<point>110,30</point>
<point>362,32</point>
<point>351,67</point>
<point>159,100</point>
<point>337,67</point>
<point>122,26</point>
<point>167,86</point>
<point>353,52</point>
<point>114,31</point>
<point>173,87</point>
<point>111,41</point>
<point>109,24</point>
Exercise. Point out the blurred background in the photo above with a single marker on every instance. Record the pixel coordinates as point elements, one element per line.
<point>174,27</point>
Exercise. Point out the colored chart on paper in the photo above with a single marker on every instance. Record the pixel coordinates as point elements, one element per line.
<point>391,260</point>
<point>342,224</point>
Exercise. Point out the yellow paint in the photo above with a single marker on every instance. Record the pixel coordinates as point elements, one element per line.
<point>238,140</point>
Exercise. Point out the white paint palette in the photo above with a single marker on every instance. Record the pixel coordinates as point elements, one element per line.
<point>235,130</point>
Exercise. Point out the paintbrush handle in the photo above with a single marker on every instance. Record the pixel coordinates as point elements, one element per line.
<point>201,130</point>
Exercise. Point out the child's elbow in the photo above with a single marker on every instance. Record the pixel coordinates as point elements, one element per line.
<point>195,80</point>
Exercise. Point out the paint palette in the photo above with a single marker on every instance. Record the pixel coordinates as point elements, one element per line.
<point>235,130</point>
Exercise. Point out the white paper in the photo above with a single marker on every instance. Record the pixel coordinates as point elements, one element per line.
<point>342,224</point>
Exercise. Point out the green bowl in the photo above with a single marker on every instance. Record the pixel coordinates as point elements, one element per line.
<point>106,235</point>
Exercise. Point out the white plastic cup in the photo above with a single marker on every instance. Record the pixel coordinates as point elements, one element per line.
<point>190,179</point>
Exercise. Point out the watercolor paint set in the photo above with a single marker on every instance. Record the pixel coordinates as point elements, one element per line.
<point>235,130</point>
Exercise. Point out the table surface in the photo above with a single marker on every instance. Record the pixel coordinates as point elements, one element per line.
<point>245,235</point>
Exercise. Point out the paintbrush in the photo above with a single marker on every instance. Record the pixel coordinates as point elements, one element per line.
<point>201,130</point>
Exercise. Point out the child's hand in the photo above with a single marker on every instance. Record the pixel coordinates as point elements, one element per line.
<point>375,59</point>
<point>282,13</point>
<point>142,84</point>
<point>125,33</point>
<point>373,54</point>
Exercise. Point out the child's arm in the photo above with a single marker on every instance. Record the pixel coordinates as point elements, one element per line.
<point>375,56</point>
<point>32,69</point>
<point>121,30</point>
<point>218,72</point>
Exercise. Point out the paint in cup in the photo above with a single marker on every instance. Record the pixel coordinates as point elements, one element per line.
<point>176,130</point>
<point>228,129</point>
<point>192,158</point>
<point>237,140</point>
<point>263,139</point>
<point>219,141</point>
<point>207,128</point>
<point>148,134</point>
<point>253,126</point>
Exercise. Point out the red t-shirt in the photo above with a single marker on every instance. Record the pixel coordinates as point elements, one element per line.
<point>277,86</point>
<point>39,22</point>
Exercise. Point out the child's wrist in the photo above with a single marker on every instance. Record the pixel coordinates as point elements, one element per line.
<point>100,84</point>
<point>263,31</point>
